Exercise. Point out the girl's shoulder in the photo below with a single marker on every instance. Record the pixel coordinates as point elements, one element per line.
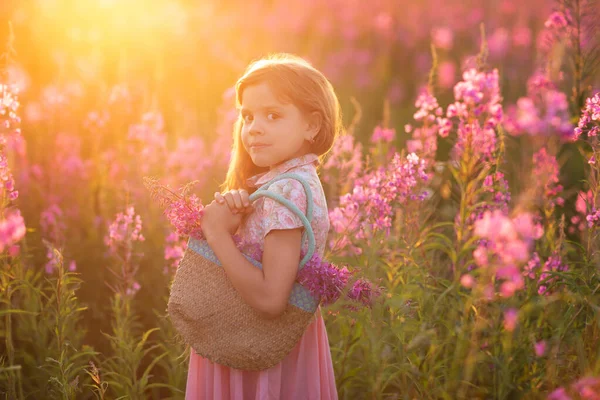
<point>291,188</point>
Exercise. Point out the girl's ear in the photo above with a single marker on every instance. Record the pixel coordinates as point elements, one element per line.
<point>315,120</point>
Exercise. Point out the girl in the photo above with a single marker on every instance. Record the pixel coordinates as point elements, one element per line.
<point>289,118</point>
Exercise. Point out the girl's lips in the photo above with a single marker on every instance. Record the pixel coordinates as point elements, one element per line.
<point>258,146</point>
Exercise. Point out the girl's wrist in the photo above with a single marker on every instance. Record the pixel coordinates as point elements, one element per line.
<point>215,234</point>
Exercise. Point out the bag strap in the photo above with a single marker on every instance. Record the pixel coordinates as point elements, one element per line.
<point>306,219</point>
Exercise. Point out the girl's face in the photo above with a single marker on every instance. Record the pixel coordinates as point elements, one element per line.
<point>273,132</point>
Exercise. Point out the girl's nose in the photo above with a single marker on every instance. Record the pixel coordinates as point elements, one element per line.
<point>255,129</point>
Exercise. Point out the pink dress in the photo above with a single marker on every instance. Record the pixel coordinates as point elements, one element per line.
<point>307,372</point>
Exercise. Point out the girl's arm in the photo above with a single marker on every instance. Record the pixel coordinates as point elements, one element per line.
<point>266,290</point>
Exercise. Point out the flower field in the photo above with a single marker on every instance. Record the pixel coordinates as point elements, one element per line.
<point>466,186</point>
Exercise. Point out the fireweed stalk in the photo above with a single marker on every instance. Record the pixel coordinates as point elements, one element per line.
<point>12,224</point>
<point>129,350</point>
<point>68,356</point>
<point>429,116</point>
<point>588,132</point>
<point>478,113</point>
<point>123,233</point>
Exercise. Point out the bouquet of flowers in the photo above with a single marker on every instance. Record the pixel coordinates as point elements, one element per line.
<point>183,211</point>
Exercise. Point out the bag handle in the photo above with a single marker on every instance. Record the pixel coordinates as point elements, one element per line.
<point>306,219</point>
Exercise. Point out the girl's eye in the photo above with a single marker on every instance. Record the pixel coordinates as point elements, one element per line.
<point>247,118</point>
<point>272,116</point>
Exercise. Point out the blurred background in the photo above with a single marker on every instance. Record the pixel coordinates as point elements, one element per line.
<point>115,90</point>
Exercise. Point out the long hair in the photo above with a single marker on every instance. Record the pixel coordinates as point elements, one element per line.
<point>295,81</point>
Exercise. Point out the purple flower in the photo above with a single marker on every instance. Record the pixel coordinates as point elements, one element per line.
<point>363,291</point>
<point>590,117</point>
<point>532,266</point>
<point>593,219</point>
<point>324,280</point>
<point>553,264</point>
<point>497,196</point>
<point>557,20</point>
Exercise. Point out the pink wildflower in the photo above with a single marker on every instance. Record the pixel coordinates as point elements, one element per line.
<point>544,112</point>
<point>559,394</point>
<point>324,280</point>
<point>532,266</point>
<point>183,211</point>
<point>9,119</point>
<point>190,160</point>
<point>363,291</point>
<point>511,317</point>
<point>147,141</point>
<point>12,229</point>
<point>505,247</point>
<point>588,387</point>
<point>430,115</point>
<point>126,228</point>
<point>383,135</point>
<point>547,173</point>
<point>369,207</point>
<point>540,348</point>
<point>345,158</point>
<point>467,281</point>
<point>590,118</point>
<point>185,215</point>
<point>478,109</point>
<point>174,249</point>
<point>553,264</point>
<point>133,289</point>
<point>123,233</point>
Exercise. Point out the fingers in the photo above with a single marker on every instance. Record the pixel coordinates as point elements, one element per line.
<point>219,198</point>
<point>235,197</point>
<point>245,197</point>
<point>238,201</point>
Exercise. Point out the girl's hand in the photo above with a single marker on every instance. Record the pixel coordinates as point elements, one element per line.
<point>237,201</point>
<point>219,220</point>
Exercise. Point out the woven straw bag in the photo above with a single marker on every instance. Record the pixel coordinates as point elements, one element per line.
<point>218,324</point>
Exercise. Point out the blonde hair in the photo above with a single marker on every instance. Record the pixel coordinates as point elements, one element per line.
<point>293,80</point>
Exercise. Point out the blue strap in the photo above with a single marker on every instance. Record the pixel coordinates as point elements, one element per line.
<point>306,219</point>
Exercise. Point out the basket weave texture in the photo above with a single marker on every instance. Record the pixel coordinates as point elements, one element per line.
<point>219,325</point>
